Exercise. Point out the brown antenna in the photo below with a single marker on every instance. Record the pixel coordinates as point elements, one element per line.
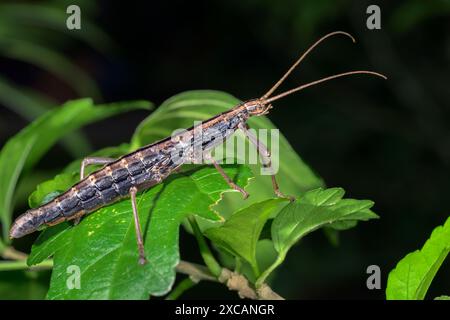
<point>303,56</point>
<point>310,84</point>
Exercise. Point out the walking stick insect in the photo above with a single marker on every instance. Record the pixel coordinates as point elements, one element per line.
<point>151,164</point>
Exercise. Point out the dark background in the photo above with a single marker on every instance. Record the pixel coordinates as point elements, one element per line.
<point>387,141</point>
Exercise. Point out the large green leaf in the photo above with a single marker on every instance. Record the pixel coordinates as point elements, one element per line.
<point>413,275</point>
<point>311,211</point>
<point>103,245</point>
<point>182,110</point>
<point>26,148</point>
<point>239,235</point>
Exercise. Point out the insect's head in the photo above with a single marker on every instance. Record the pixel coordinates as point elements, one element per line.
<point>257,107</point>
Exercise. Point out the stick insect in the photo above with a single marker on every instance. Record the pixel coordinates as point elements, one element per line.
<point>149,165</point>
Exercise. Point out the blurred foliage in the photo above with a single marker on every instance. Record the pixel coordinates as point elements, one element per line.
<point>24,285</point>
<point>36,34</point>
<point>410,14</point>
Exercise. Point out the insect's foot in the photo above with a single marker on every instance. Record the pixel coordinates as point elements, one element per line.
<point>76,221</point>
<point>291,198</point>
<point>282,195</point>
<point>142,261</point>
<point>244,193</point>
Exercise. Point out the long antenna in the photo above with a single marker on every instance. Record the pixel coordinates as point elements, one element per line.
<point>310,84</point>
<point>303,56</point>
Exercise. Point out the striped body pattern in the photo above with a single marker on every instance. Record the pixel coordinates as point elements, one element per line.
<point>141,169</point>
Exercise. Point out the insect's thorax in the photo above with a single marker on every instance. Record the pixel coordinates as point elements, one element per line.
<point>215,131</point>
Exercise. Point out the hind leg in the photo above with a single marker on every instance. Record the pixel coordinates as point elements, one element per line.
<point>226,177</point>
<point>137,225</point>
<point>86,162</point>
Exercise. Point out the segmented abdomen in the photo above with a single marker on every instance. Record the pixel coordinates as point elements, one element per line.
<point>141,169</point>
<point>109,184</point>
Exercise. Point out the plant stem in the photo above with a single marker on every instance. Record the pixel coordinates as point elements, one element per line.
<point>237,265</point>
<point>262,278</point>
<point>22,265</point>
<point>206,253</point>
<point>255,269</point>
<point>195,271</point>
<point>184,285</point>
<point>12,254</point>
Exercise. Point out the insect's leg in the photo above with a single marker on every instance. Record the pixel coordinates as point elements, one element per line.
<point>86,162</point>
<point>140,241</point>
<point>265,156</point>
<point>93,160</point>
<point>226,177</point>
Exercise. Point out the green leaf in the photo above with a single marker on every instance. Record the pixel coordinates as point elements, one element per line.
<point>239,235</point>
<point>182,110</point>
<point>104,247</point>
<point>442,298</point>
<point>313,210</point>
<point>316,209</point>
<point>413,275</point>
<point>23,150</point>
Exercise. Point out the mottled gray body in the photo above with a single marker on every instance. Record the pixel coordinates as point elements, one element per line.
<point>141,169</point>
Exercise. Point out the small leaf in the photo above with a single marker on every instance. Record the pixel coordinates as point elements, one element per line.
<point>442,298</point>
<point>317,208</point>
<point>240,233</point>
<point>23,150</point>
<point>413,275</point>
<point>104,247</point>
<point>313,210</point>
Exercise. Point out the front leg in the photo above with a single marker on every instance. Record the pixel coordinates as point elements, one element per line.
<point>265,157</point>
<point>230,182</point>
